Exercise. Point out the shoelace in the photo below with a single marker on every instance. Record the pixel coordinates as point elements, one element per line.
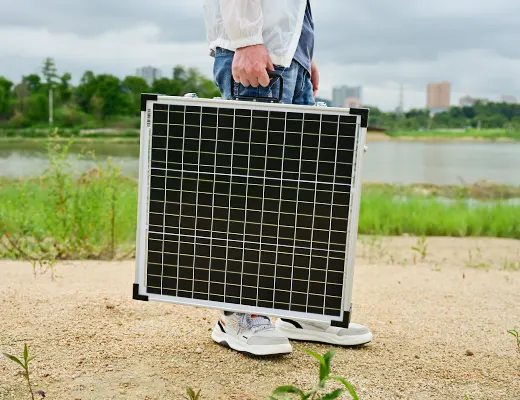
<point>257,324</point>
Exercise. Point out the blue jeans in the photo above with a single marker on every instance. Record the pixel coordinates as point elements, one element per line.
<point>297,86</point>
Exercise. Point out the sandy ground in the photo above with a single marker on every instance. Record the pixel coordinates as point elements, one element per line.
<point>439,331</point>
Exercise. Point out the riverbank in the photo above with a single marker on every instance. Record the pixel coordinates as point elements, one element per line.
<point>94,216</point>
<point>109,135</point>
<point>470,135</point>
<point>439,332</point>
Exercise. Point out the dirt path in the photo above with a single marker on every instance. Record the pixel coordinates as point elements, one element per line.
<point>439,326</point>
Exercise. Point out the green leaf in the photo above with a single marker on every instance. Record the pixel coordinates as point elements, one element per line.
<point>315,355</point>
<point>192,395</point>
<point>13,358</point>
<point>348,385</point>
<point>289,389</point>
<point>334,395</point>
<point>324,365</point>
<point>328,358</point>
<point>30,359</point>
<point>25,353</point>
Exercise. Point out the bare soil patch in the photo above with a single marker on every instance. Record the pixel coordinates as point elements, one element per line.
<point>439,331</point>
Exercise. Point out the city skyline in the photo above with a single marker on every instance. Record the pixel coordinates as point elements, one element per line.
<point>427,44</point>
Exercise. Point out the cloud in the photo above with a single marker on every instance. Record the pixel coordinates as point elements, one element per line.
<point>380,45</point>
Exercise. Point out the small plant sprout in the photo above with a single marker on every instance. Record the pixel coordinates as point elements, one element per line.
<point>317,392</point>
<point>510,265</point>
<point>25,367</point>
<point>192,395</point>
<point>516,335</point>
<point>421,248</point>
<point>475,259</point>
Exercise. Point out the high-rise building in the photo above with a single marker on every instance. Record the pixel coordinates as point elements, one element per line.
<point>468,101</point>
<point>340,95</point>
<point>439,96</point>
<point>149,74</point>
<point>507,98</point>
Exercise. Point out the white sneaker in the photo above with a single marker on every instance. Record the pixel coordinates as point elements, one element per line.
<point>250,334</point>
<point>324,332</point>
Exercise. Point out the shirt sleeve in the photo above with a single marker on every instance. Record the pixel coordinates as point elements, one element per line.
<point>243,22</point>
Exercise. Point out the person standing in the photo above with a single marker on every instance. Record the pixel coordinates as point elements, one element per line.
<point>248,38</point>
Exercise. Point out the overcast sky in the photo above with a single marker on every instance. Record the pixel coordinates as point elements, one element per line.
<point>380,45</point>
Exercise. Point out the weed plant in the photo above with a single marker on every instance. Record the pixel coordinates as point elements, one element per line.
<point>421,248</point>
<point>319,392</point>
<point>62,215</point>
<point>516,335</point>
<point>24,364</point>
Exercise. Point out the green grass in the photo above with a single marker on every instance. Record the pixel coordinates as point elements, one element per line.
<point>383,214</point>
<point>13,135</point>
<point>95,216</point>
<point>61,216</point>
<point>486,134</point>
<point>129,128</point>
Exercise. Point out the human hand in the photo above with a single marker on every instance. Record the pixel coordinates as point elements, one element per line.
<point>250,66</point>
<point>315,78</point>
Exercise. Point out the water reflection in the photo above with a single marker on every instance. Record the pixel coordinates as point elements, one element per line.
<point>388,162</point>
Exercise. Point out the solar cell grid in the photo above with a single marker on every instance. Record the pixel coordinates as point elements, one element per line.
<point>250,207</point>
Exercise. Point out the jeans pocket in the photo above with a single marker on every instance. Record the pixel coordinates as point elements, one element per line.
<point>302,84</point>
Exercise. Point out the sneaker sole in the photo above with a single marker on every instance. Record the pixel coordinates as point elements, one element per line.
<point>229,341</point>
<point>306,335</point>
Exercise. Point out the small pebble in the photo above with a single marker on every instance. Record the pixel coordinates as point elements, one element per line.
<point>469,353</point>
<point>417,357</point>
<point>75,376</point>
<point>198,350</point>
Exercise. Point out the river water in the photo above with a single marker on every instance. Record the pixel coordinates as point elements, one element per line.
<point>389,162</point>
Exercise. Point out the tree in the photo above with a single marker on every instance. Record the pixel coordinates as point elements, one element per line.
<point>134,86</point>
<point>37,108</point>
<point>110,90</point>
<point>170,87</point>
<point>5,97</point>
<point>34,82</point>
<point>64,89</point>
<point>22,92</point>
<point>50,73</point>
<point>85,90</point>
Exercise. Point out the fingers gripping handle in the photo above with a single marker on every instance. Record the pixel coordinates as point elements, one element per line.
<point>273,75</point>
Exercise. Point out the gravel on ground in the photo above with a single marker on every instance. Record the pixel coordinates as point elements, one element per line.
<point>440,331</point>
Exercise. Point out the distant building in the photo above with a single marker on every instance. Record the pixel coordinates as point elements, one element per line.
<point>352,102</point>
<point>468,101</point>
<point>507,98</point>
<point>149,74</point>
<point>439,96</point>
<point>342,93</point>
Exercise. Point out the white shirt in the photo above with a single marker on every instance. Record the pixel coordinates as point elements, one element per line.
<point>232,24</point>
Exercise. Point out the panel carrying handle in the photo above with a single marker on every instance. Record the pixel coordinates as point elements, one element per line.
<point>272,75</point>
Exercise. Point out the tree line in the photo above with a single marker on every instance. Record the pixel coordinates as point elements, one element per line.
<point>97,100</point>
<point>481,115</point>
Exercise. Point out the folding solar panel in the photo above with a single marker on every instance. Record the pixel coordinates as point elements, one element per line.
<point>249,206</point>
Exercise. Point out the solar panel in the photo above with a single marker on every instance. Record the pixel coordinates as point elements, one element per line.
<point>249,207</point>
